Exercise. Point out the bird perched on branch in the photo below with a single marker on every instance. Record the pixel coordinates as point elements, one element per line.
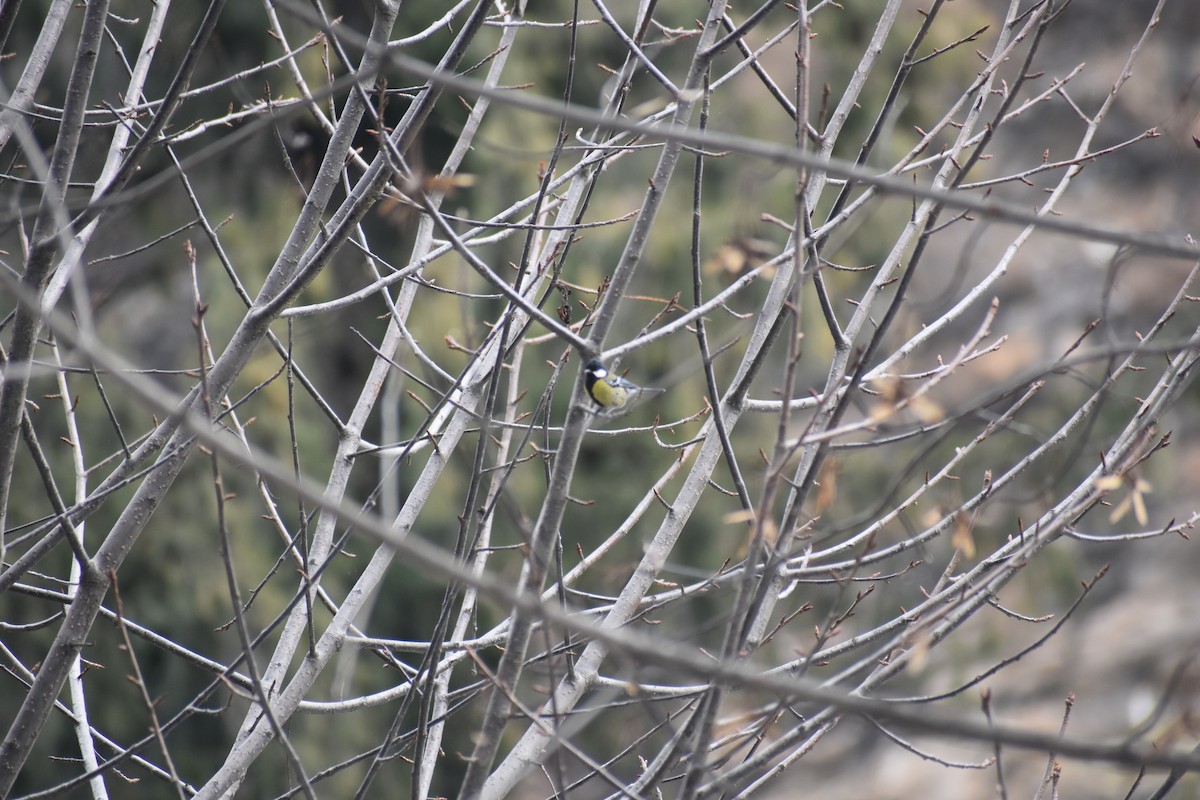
<point>610,392</point>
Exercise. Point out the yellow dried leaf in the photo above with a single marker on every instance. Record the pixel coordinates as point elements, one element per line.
<point>962,538</point>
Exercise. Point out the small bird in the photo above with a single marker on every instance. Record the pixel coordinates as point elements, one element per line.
<point>609,391</point>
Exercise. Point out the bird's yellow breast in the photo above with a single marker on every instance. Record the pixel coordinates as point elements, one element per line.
<point>605,393</point>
